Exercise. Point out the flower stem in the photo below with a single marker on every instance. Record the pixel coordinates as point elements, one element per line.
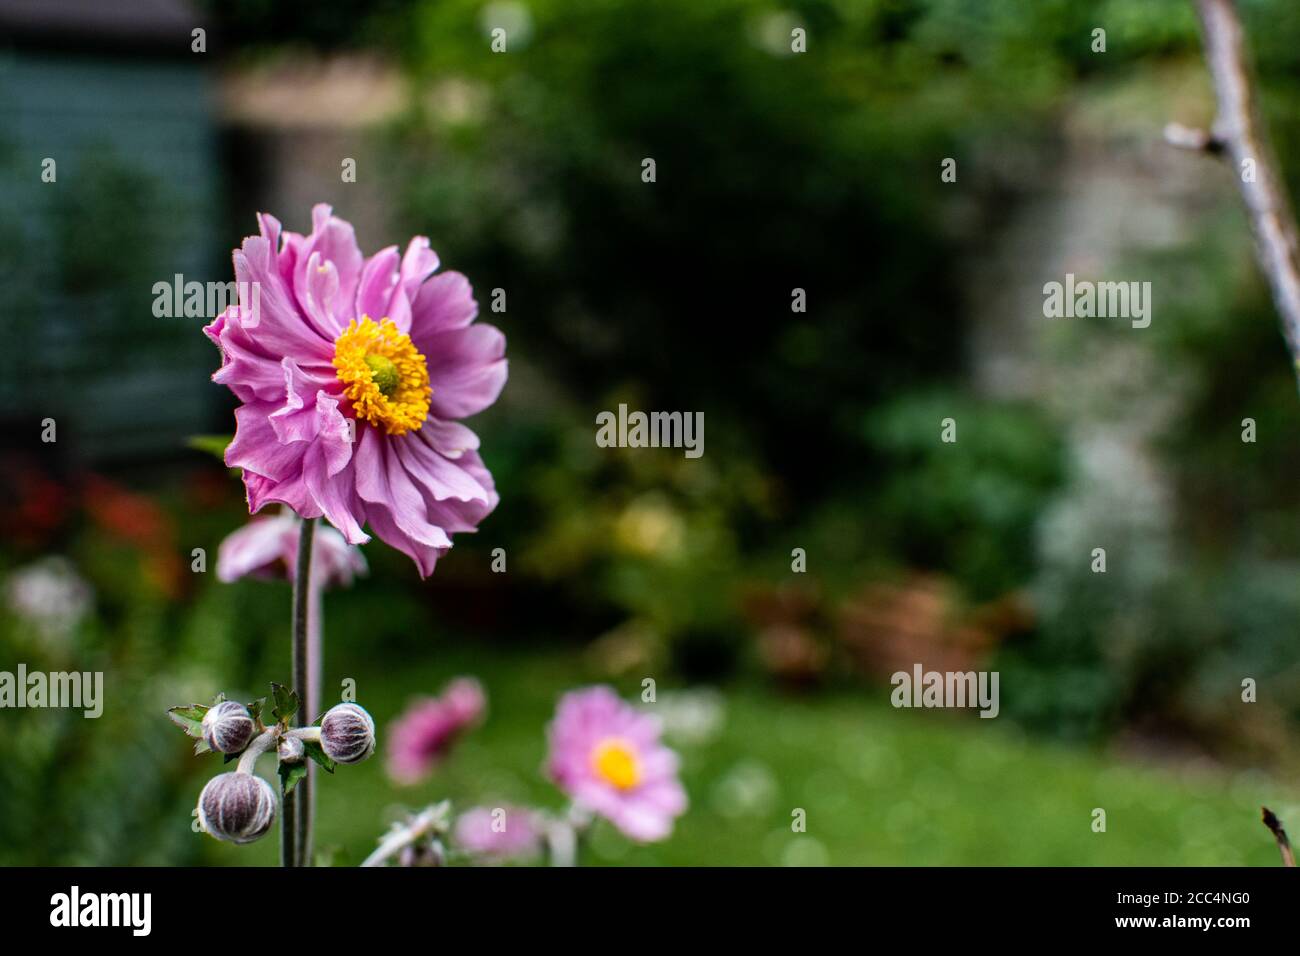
<point>295,836</point>
<point>288,832</point>
<point>312,705</point>
<point>260,745</point>
<point>309,694</point>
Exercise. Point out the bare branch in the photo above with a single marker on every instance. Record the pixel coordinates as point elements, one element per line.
<point>1239,134</point>
<point>1283,844</point>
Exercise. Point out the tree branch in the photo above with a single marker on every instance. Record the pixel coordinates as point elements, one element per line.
<point>1283,844</point>
<point>1239,134</point>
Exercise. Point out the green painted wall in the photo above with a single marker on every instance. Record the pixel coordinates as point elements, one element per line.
<point>133,203</point>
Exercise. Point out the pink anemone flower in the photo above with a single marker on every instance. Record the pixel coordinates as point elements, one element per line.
<point>499,833</point>
<point>607,756</point>
<point>352,373</point>
<point>267,548</point>
<point>424,734</point>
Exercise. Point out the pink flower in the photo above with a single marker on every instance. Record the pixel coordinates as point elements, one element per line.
<point>606,755</point>
<point>499,832</point>
<point>424,734</point>
<point>267,548</point>
<point>352,373</point>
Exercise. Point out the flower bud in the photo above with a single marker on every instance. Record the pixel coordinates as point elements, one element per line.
<point>347,733</point>
<point>421,854</point>
<point>290,750</point>
<point>228,727</point>
<point>239,807</point>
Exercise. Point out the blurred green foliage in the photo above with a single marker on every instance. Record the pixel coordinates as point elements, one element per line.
<point>818,171</point>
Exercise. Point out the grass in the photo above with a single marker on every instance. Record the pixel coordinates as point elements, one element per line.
<point>877,786</point>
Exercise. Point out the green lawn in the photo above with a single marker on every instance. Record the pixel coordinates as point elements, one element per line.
<point>879,786</point>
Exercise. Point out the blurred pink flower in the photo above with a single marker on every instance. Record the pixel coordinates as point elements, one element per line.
<point>499,832</point>
<point>352,373</point>
<point>267,548</point>
<point>426,731</point>
<point>607,756</point>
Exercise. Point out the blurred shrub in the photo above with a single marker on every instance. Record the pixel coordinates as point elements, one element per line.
<point>968,507</point>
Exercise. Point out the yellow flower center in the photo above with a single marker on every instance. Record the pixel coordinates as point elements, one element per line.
<point>615,762</point>
<point>386,380</point>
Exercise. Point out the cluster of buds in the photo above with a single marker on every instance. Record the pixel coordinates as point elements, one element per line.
<point>240,806</point>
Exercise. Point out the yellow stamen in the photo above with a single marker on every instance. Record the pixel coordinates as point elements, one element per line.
<point>615,761</point>
<point>386,380</point>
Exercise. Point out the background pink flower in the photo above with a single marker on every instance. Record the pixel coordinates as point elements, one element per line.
<point>426,731</point>
<point>499,832</point>
<point>608,757</point>
<point>353,372</point>
<point>267,548</point>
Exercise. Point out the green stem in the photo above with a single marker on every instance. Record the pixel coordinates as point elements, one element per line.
<point>295,833</point>
<point>311,710</point>
<point>288,832</point>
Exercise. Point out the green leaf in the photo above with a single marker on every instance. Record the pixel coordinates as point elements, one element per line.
<point>313,750</point>
<point>255,708</point>
<point>286,703</point>
<point>212,444</point>
<point>290,774</point>
<point>201,747</point>
<point>188,719</point>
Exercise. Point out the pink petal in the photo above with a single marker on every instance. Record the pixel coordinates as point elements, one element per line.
<point>336,242</point>
<point>418,264</point>
<point>334,495</point>
<point>318,293</point>
<point>443,303</point>
<point>291,492</point>
<point>276,325</point>
<point>382,479</point>
<point>381,520</point>
<point>441,477</point>
<point>256,447</point>
<point>467,369</point>
<point>451,439</point>
<point>254,548</point>
<point>246,372</point>
<point>298,420</point>
<point>378,279</point>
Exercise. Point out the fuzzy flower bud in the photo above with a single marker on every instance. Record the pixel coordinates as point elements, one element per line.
<point>290,750</point>
<point>228,727</point>
<point>421,854</point>
<point>347,733</point>
<point>239,807</point>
